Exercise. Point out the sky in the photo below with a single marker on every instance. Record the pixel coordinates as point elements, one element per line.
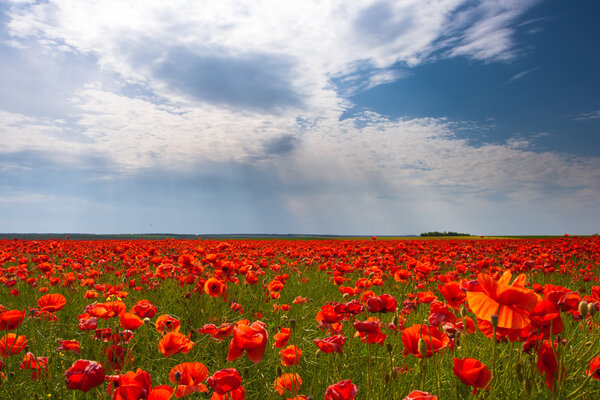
<point>315,117</point>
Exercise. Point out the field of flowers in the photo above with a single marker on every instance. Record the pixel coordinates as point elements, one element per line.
<point>285,319</point>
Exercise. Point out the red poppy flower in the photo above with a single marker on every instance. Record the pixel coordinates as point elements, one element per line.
<point>331,344</point>
<point>594,370</point>
<point>130,321</point>
<point>282,337</point>
<point>369,331</point>
<point>116,355</point>
<point>214,287</point>
<point>166,323</point>
<point>434,338</point>
<point>132,385</point>
<point>225,380</point>
<point>453,294</point>
<point>12,344</point>
<point>288,382</point>
<point>250,338</point>
<point>69,345</point>
<point>144,309</point>
<point>51,303</point>
<point>173,343</point>
<point>10,320</point>
<point>383,304</point>
<point>38,365</point>
<point>344,390</point>
<point>84,375</point>
<point>547,363</point>
<point>511,302</point>
<point>290,356</point>
<point>419,395</point>
<point>191,376</point>
<point>544,315</point>
<point>473,373</point>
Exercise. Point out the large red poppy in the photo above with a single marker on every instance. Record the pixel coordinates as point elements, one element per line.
<point>173,343</point>
<point>191,375</point>
<point>511,302</point>
<point>434,338</point>
<point>344,390</point>
<point>11,319</point>
<point>250,338</point>
<point>51,302</point>
<point>473,373</point>
<point>12,344</point>
<point>84,375</point>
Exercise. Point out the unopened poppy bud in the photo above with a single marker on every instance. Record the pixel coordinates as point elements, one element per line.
<point>583,308</point>
<point>146,320</point>
<point>395,320</point>
<point>463,312</point>
<point>592,308</point>
<point>177,376</point>
<point>422,347</point>
<point>279,371</point>
<point>389,347</point>
<point>494,320</point>
<point>386,378</point>
<point>292,323</point>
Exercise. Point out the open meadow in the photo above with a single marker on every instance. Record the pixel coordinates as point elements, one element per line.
<point>300,319</point>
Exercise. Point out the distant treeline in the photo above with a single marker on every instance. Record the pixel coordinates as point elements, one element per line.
<point>436,233</point>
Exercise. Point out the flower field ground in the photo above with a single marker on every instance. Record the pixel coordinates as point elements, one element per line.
<point>299,319</point>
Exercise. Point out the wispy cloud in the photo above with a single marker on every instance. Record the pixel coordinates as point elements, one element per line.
<point>588,116</point>
<point>520,75</point>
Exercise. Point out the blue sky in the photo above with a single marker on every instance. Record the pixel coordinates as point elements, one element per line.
<point>366,117</point>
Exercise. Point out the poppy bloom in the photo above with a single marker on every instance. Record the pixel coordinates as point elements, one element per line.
<point>214,287</point>
<point>132,385</point>
<point>51,303</point>
<point>511,302</point>
<point>173,343</point>
<point>369,331</point>
<point>166,323</point>
<point>282,337</point>
<point>225,380</point>
<point>130,321</point>
<point>473,373</point>
<point>434,338</point>
<point>344,390</point>
<point>419,395</point>
<point>290,356</point>
<point>12,344</point>
<point>288,382</point>
<point>544,315</point>
<point>547,363</point>
<point>69,345</point>
<point>144,309</point>
<point>191,375</point>
<point>38,365</point>
<point>382,304</point>
<point>250,338</point>
<point>453,294</point>
<point>10,320</point>
<point>331,344</point>
<point>84,375</point>
<point>594,370</point>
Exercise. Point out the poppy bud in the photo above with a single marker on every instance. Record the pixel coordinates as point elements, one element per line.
<point>395,321</point>
<point>422,347</point>
<point>386,378</point>
<point>177,376</point>
<point>292,323</point>
<point>592,308</point>
<point>279,371</point>
<point>146,320</point>
<point>389,347</point>
<point>494,320</point>
<point>583,308</point>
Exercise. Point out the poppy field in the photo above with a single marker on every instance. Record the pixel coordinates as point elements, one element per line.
<point>300,319</point>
